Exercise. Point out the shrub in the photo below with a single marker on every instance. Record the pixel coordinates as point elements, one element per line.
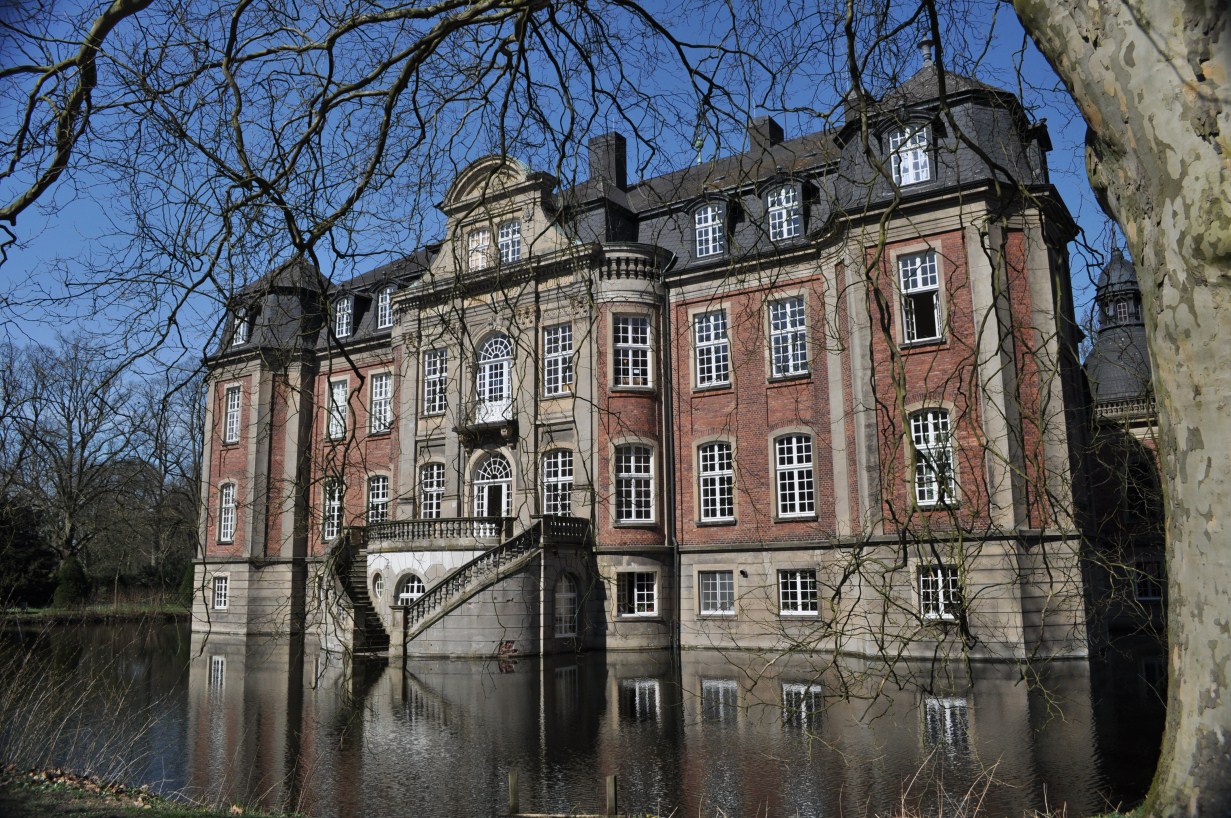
<point>73,587</point>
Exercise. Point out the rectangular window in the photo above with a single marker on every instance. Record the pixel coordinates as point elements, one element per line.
<point>1148,579</point>
<point>217,671</point>
<point>479,249</point>
<point>431,490</point>
<point>716,477</point>
<point>908,155</point>
<point>796,493</point>
<point>788,338</point>
<point>634,484</point>
<point>343,316</point>
<point>934,483</point>
<point>384,308</point>
<point>637,593</point>
<point>378,499</point>
<point>226,512</point>
<point>558,483</point>
<point>639,700</point>
<point>220,593</point>
<point>717,592</point>
<point>713,349</point>
<point>558,360</point>
<point>381,407</point>
<point>719,700</point>
<point>797,593</point>
<point>784,221</point>
<point>946,726</point>
<point>337,410</point>
<point>434,365</point>
<point>510,242</point>
<point>230,427</point>
<point>940,592</point>
<point>332,518</point>
<point>710,231</point>
<point>239,336</point>
<point>632,350</point>
<point>920,297</point>
<point>802,705</point>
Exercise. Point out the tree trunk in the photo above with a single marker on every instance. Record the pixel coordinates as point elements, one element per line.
<point>1152,80</point>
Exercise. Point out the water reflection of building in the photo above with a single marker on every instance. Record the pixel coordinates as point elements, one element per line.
<point>796,395</point>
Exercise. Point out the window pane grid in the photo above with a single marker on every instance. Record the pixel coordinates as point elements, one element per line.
<point>382,402</point>
<point>565,607</point>
<point>378,499</point>
<point>221,587</point>
<point>717,482</point>
<point>784,221</point>
<point>711,238</point>
<point>632,350</point>
<point>332,526</point>
<point>788,337</point>
<point>234,396</point>
<point>558,359</point>
<point>479,248</point>
<point>717,592</point>
<point>920,283</point>
<point>384,308</point>
<point>510,242</point>
<point>337,409</point>
<point>434,381</point>
<point>713,349</point>
<point>934,483</point>
<point>634,484</point>
<point>558,483</point>
<point>343,313</point>
<point>431,490</point>
<point>796,494</point>
<point>493,383</point>
<point>940,592</point>
<point>908,150</point>
<point>637,593</point>
<point>226,513</point>
<point>797,592</point>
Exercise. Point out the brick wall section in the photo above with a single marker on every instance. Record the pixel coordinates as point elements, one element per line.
<point>229,464</point>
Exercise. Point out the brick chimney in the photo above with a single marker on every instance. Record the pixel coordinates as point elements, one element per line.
<point>763,133</point>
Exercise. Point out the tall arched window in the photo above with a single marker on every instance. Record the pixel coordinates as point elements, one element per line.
<point>493,494</point>
<point>566,606</point>
<point>493,382</point>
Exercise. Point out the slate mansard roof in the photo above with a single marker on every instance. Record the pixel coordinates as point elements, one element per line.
<point>834,176</point>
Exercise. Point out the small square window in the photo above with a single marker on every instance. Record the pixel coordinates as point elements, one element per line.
<point>717,593</point>
<point>637,593</point>
<point>797,594</point>
<point>940,592</point>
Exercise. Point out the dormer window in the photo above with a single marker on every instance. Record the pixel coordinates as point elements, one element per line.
<point>908,155</point>
<point>510,242</point>
<point>343,316</point>
<point>384,308</point>
<point>242,323</point>
<point>479,249</point>
<point>784,218</point>
<point>710,230</point>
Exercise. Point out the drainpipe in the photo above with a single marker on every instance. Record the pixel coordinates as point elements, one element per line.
<point>669,465</point>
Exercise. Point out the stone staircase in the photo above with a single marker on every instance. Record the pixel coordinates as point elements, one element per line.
<point>369,635</point>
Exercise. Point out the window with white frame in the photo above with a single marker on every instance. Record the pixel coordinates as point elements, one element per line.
<point>509,239</point>
<point>710,230</point>
<point>337,410</point>
<point>802,705</point>
<point>409,588</point>
<point>226,512</point>
<point>788,338</point>
<point>381,405</point>
<point>908,155</point>
<point>431,490</point>
<point>637,593</point>
<point>716,479</point>
<point>331,525</point>
<point>797,592</point>
<point>230,426</point>
<point>940,592</point>
<point>920,283</point>
<point>239,336</point>
<point>384,307</point>
<point>558,482</point>
<point>713,348</point>
<point>796,489</point>
<point>221,590</point>
<point>930,434</point>
<point>632,351</point>
<point>434,380</point>
<point>479,249</point>
<point>634,499</point>
<point>565,598</point>
<point>378,499</point>
<point>343,316</point>
<point>378,585</point>
<point>784,217</point>
<point>558,359</point>
<point>493,383</point>
<point>717,592</point>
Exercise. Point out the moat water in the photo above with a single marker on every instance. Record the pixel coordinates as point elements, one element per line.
<point>282,725</point>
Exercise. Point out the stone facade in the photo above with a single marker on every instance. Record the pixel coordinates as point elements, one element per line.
<point>802,396</point>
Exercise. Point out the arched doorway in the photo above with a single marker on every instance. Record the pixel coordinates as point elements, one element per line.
<point>493,494</point>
